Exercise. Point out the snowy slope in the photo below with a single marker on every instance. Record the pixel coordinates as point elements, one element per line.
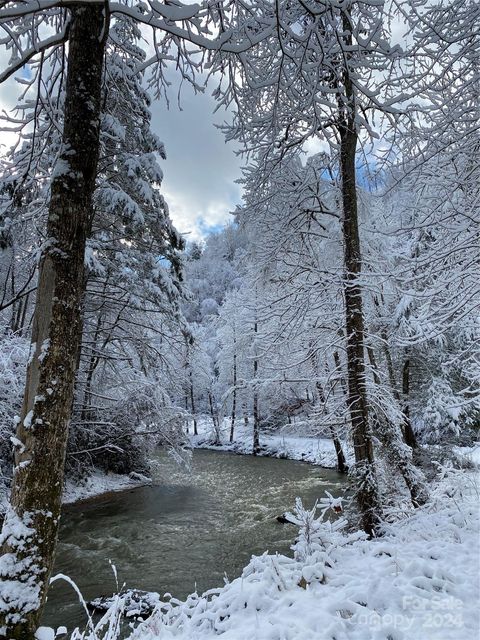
<point>278,445</point>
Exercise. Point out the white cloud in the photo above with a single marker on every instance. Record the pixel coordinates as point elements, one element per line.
<point>200,170</point>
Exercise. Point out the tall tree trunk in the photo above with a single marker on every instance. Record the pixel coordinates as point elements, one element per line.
<point>338,367</point>
<point>367,488</point>
<point>30,529</point>
<point>186,409</point>
<point>410,437</point>
<point>342,466</point>
<point>256,416</point>
<point>215,420</point>
<point>92,365</point>
<point>408,434</point>
<point>245,415</point>
<point>192,403</point>
<point>234,397</point>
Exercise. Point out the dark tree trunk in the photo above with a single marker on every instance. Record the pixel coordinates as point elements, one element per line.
<point>338,367</point>
<point>234,397</point>
<point>342,466</point>
<point>408,434</point>
<point>186,409</point>
<point>410,437</point>
<point>92,365</point>
<point>215,420</point>
<point>256,416</point>
<point>30,530</point>
<point>367,488</point>
<point>192,403</point>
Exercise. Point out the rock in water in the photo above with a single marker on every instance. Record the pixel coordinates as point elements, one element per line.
<point>136,603</point>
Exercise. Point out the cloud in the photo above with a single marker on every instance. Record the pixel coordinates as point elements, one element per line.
<point>201,169</point>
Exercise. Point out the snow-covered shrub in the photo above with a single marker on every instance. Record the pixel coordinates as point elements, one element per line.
<point>120,437</point>
<point>319,538</point>
<point>443,411</point>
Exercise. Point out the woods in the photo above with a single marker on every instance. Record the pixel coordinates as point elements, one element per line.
<point>341,301</point>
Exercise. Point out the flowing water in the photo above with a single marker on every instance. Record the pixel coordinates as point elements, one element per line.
<point>186,531</point>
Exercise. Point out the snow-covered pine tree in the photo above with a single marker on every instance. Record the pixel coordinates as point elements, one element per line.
<point>132,301</point>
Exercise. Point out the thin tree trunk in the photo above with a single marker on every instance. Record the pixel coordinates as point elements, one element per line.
<point>245,415</point>
<point>342,466</point>
<point>30,529</point>
<point>367,490</point>
<point>192,403</point>
<point>338,367</point>
<point>24,314</point>
<point>186,409</point>
<point>92,365</point>
<point>407,430</point>
<point>256,416</point>
<point>410,437</point>
<point>215,421</point>
<point>12,295</point>
<point>234,397</point>
<point>341,461</point>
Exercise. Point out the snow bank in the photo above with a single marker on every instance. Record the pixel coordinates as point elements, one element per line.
<point>99,483</point>
<point>278,445</point>
<point>94,485</point>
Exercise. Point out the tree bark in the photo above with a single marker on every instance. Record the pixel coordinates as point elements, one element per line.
<point>409,433</point>
<point>234,397</point>
<point>367,490</point>
<point>215,420</point>
<point>256,416</point>
<point>342,466</point>
<point>245,415</point>
<point>30,529</point>
<point>192,403</point>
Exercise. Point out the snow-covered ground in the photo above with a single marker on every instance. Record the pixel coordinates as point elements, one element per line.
<point>279,445</point>
<point>420,581</point>
<point>99,483</point>
<point>94,485</point>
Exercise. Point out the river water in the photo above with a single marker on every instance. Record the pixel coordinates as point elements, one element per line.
<point>186,531</point>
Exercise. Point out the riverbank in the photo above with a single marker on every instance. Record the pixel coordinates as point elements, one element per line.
<point>319,451</point>
<point>100,483</point>
<point>95,485</point>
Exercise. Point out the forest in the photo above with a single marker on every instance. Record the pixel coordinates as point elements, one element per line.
<point>328,333</point>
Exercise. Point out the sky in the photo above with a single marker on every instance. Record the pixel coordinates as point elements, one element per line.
<point>201,169</point>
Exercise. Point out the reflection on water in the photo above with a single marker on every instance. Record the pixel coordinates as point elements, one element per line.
<point>187,531</point>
